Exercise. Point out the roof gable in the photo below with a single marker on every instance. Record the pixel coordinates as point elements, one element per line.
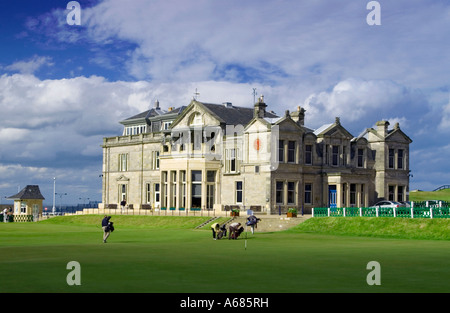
<point>226,113</point>
<point>287,124</point>
<point>185,118</point>
<point>333,130</point>
<point>29,192</point>
<point>397,134</point>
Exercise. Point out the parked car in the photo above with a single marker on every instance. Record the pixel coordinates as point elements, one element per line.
<point>388,204</point>
<point>406,204</point>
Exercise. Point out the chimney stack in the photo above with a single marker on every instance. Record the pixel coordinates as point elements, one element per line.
<point>299,116</point>
<point>260,108</point>
<point>382,128</point>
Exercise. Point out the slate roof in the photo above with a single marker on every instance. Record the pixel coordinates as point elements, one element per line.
<point>29,192</point>
<point>322,128</point>
<point>142,115</point>
<point>153,112</point>
<point>233,115</point>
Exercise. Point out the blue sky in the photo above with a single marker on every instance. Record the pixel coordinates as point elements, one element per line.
<point>65,87</point>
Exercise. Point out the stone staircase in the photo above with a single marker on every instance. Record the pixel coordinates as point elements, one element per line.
<point>270,223</point>
<point>207,222</point>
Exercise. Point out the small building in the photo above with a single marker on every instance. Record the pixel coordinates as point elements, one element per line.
<point>28,201</point>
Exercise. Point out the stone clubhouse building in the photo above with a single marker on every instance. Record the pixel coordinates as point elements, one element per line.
<point>221,156</point>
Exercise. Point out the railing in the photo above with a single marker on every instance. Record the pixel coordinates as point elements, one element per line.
<point>413,212</point>
<point>17,218</point>
<point>442,187</point>
<point>163,211</point>
<point>428,204</point>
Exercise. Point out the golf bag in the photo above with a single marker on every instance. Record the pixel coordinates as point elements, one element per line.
<point>223,230</point>
<point>110,227</point>
<point>236,234</point>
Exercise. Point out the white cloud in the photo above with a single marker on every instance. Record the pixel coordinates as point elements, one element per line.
<point>46,121</point>
<point>314,42</point>
<point>81,182</point>
<point>362,102</point>
<point>31,65</point>
<point>10,135</point>
<point>445,121</point>
<point>46,118</point>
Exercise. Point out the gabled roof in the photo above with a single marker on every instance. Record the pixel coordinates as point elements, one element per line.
<point>397,130</point>
<point>389,135</point>
<point>323,130</point>
<point>146,114</point>
<point>151,114</point>
<point>225,113</point>
<point>233,115</point>
<point>29,192</point>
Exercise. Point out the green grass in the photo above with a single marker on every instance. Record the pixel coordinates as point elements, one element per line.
<point>134,221</point>
<point>166,255</point>
<point>382,227</point>
<point>443,195</point>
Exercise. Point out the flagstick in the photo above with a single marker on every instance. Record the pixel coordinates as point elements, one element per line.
<point>246,236</point>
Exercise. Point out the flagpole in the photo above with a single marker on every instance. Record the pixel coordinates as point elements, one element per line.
<point>54,194</point>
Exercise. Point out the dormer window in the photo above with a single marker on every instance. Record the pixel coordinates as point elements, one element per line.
<point>135,130</point>
<point>166,125</point>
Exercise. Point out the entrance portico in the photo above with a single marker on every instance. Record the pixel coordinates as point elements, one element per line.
<point>346,191</point>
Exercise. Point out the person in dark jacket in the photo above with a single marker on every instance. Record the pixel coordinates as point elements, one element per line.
<point>253,222</point>
<point>106,227</point>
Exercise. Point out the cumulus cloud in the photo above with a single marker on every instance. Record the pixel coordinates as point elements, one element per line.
<point>81,182</point>
<point>46,121</point>
<point>445,122</point>
<point>319,40</point>
<point>362,102</point>
<point>31,65</point>
<point>43,118</point>
<point>59,121</point>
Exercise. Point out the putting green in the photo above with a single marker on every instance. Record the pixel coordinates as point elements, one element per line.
<point>163,259</point>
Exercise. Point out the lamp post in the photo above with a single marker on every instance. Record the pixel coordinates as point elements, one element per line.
<point>84,200</point>
<point>60,199</point>
<point>54,194</point>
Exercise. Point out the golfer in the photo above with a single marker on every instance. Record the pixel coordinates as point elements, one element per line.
<point>215,230</point>
<point>253,222</point>
<point>105,227</point>
<point>234,227</point>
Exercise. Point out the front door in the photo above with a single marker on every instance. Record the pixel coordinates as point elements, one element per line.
<point>332,196</point>
<point>210,197</point>
<point>157,196</point>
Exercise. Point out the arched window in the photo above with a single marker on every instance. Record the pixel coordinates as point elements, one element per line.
<point>196,119</point>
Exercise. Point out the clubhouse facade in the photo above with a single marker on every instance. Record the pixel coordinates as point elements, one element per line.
<point>221,156</point>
